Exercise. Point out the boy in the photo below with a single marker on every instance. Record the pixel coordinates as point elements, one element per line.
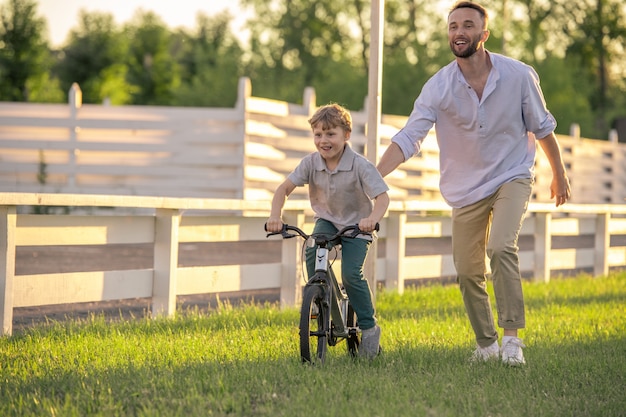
<point>342,185</point>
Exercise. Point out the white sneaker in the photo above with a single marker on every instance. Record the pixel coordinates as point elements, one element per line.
<point>512,351</point>
<point>484,354</point>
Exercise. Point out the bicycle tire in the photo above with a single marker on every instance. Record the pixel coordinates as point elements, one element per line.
<point>353,340</point>
<point>313,315</point>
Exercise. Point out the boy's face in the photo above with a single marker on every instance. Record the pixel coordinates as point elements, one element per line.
<point>330,142</point>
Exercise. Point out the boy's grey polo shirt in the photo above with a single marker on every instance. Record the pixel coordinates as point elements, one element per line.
<point>343,196</point>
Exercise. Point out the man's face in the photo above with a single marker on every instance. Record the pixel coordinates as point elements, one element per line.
<point>465,32</point>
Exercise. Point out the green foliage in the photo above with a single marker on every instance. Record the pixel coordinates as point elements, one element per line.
<point>92,59</point>
<point>243,361</point>
<point>45,89</point>
<point>24,54</point>
<point>150,66</point>
<point>576,47</point>
<point>564,97</point>
<point>210,60</point>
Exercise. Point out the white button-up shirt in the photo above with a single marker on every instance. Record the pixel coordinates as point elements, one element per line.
<point>483,143</point>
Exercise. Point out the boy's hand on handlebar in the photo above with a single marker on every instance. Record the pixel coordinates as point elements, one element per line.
<point>274,225</point>
<point>367,225</point>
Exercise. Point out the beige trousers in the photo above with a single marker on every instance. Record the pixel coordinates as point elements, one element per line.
<point>491,226</point>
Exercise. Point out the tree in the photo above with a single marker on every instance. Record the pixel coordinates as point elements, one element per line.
<point>151,68</point>
<point>295,44</point>
<point>95,59</point>
<point>416,47</point>
<point>210,63</point>
<point>24,55</point>
<point>597,31</point>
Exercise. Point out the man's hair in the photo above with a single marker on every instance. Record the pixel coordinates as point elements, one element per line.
<point>330,116</point>
<point>470,5</point>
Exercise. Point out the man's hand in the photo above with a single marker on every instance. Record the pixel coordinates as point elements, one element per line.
<point>560,189</point>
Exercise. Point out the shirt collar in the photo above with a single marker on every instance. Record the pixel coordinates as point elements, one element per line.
<point>345,163</point>
<point>494,75</point>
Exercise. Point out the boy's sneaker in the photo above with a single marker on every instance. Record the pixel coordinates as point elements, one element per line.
<point>512,351</point>
<point>484,354</point>
<point>370,342</point>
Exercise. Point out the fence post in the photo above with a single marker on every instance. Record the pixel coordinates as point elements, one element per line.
<point>602,244</point>
<point>76,102</point>
<point>164,282</point>
<point>292,269</point>
<point>244,92</point>
<point>309,100</point>
<point>7,269</point>
<point>395,251</point>
<point>542,247</point>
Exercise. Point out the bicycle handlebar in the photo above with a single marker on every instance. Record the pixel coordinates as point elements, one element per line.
<point>354,229</point>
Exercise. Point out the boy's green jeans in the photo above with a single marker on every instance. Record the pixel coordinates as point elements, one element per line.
<point>353,253</point>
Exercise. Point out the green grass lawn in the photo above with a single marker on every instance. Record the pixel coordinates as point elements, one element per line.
<point>243,361</point>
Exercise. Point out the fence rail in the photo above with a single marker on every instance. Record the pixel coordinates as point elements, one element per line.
<point>413,245</point>
<point>234,153</point>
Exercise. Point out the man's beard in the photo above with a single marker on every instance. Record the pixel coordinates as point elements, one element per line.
<point>469,51</point>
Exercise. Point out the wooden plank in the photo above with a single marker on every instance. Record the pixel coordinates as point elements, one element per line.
<point>617,226</point>
<point>301,144</point>
<point>224,193</point>
<point>7,268</point>
<point>130,145</point>
<point>572,258</point>
<point>426,228</point>
<point>616,256</point>
<point>573,226</point>
<point>221,229</point>
<point>431,266</point>
<point>50,230</point>
<point>293,122</point>
<point>227,278</point>
<point>166,225</point>
<point>81,287</point>
<point>267,106</point>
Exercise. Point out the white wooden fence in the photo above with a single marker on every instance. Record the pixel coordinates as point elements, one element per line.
<point>406,253</point>
<point>237,153</point>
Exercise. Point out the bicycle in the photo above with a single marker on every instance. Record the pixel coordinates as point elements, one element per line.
<point>326,315</point>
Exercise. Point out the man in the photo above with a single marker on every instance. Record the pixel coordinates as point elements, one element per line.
<point>487,110</point>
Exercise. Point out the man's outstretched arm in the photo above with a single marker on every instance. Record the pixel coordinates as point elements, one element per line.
<point>390,160</point>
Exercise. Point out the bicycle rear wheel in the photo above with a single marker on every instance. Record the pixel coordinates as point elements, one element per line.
<point>313,315</point>
<point>353,341</point>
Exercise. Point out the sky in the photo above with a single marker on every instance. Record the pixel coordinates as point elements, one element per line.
<point>62,16</point>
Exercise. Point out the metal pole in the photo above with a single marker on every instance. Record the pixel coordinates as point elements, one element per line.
<point>374,115</point>
<point>374,105</point>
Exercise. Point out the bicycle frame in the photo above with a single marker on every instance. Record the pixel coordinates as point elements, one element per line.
<point>335,319</point>
<point>334,295</point>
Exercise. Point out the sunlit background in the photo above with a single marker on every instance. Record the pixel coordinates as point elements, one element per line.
<point>63,16</point>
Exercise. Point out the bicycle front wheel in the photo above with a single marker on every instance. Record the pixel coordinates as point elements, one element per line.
<point>353,336</point>
<point>313,315</point>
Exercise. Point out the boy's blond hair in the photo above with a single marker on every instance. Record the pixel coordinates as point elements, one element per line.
<point>330,116</point>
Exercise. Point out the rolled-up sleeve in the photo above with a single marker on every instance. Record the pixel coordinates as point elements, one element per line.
<point>419,123</point>
<point>537,118</point>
